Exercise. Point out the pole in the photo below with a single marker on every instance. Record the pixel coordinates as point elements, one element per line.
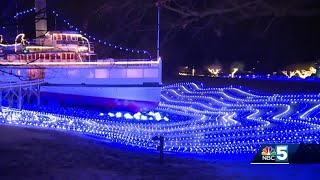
<point>161,148</point>
<point>17,20</point>
<point>0,100</point>
<point>55,23</point>
<point>40,18</point>
<point>158,29</point>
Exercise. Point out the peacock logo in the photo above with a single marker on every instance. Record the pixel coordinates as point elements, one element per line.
<point>268,151</point>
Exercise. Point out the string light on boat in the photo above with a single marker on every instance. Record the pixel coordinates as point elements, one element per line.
<point>142,52</point>
<point>24,12</point>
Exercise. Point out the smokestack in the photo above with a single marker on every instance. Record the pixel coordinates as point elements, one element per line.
<point>41,18</point>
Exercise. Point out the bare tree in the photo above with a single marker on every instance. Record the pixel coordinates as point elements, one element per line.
<point>236,11</point>
<point>199,16</point>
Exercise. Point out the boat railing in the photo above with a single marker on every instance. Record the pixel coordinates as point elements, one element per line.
<point>46,41</point>
<point>4,85</point>
<point>36,41</point>
<point>75,42</point>
<point>129,62</point>
<point>90,46</point>
<point>124,60</point>
<point>40,42</point>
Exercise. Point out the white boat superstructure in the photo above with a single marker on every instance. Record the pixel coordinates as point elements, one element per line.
<point>67,63</point>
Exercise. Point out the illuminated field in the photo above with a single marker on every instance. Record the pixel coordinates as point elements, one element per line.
<point>193,119</point>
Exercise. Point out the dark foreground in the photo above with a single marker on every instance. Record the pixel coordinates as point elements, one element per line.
<point>40,154</point>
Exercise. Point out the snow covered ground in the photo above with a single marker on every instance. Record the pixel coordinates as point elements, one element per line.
<point>27,153</point>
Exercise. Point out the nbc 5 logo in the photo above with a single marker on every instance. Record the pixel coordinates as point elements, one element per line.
<point>282,153</point>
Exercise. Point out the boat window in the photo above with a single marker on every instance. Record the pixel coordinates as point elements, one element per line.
<point>58,56</point>
<point>33,56</point>
<point>53,56</point>
<point>47,56</point>
<point>41,56</point>
<point>68,56</point>
<point>63,56</point>
<point>64,37</point>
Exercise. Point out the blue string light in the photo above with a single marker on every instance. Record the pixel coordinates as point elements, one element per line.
<point>275,78</point>
<point>24,12</point>
<point>193,119</point>
<point>21,13</point>
<point>141,52</point>
<point>269,77</point>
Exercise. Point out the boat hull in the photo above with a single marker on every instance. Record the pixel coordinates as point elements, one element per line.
<point>133,99</point>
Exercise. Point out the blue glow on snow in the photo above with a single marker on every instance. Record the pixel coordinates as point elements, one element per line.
<point>193,119</point>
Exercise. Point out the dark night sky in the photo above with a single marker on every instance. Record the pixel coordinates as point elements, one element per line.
<point>290,40</point>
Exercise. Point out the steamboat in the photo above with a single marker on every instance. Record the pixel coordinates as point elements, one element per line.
<point>73,75</point>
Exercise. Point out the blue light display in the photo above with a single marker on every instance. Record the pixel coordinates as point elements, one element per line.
<point>193,119</point>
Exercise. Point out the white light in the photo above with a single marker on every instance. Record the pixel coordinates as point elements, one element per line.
<point>128,116</point>
<point>111,114</point>
<point>118,114</point>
